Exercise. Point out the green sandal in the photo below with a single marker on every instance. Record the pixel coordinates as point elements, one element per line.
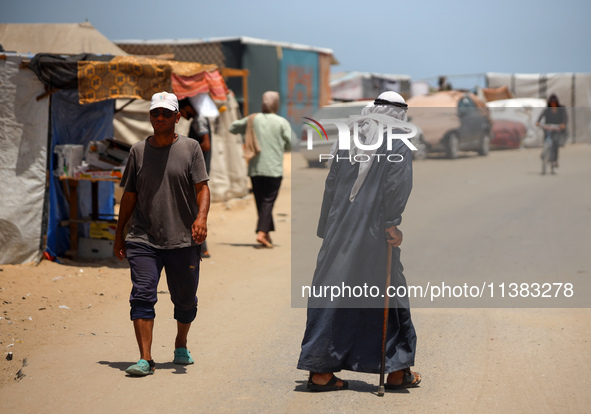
<point>182,356</point>
<point>142,368</point>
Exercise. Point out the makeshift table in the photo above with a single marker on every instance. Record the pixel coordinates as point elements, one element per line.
<point>71,189</point>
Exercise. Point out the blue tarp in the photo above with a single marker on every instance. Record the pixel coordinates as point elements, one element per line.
<point>72,123</point>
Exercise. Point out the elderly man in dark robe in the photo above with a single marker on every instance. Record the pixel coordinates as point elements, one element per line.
<point>365,194</point>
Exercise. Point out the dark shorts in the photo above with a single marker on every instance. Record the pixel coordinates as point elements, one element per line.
<point>182,277</point>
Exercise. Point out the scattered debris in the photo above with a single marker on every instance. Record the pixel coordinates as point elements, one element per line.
<point>63,307</point>
<point>9,356</point>
<point>19,375</point>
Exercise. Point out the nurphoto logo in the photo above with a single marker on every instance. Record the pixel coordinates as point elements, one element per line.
<point>396,130</point>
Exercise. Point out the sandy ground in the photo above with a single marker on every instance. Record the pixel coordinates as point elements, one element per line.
<point>67,325</point>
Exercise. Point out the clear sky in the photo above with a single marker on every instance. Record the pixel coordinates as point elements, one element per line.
<point>417,38</point>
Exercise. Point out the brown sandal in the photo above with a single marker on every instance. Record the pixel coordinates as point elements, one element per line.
<point>410,380</point>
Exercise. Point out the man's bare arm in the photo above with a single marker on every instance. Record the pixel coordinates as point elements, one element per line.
<point>199,227</point>
<point>126,208</point>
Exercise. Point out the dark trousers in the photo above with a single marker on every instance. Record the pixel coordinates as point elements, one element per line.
<point>182,277</point>
<point>265,190</point>
<point>555,137</point>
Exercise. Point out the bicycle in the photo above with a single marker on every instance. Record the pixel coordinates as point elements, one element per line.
<point>549,143</point>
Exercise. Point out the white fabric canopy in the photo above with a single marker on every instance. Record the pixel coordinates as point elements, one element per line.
<point>23,158</point>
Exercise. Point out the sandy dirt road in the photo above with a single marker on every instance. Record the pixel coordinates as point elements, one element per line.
<point>490,216</point>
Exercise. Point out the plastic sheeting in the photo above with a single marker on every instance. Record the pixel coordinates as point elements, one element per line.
<point>228,166</point>
<point>72,123</point>
<point>60,72</point>
<point>23,149</point>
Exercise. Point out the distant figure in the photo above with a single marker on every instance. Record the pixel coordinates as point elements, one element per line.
<point>361,211</point>
<point>268,135</point>
<point>166,199</point>
<point>444,85</point>
<point>200,131</point>
<point>554,125</point>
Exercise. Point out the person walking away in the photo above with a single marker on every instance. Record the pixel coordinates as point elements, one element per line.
<point>271,135</point>
<point>199,130</point>
<point>166,203</point>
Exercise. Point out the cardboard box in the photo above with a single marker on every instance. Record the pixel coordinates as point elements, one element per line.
<point>68,158</point>
<point>114,173</point>
<point>103,230</point>
<point>95,248</point>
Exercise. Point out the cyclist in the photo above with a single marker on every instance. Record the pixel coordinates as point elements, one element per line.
<point>554,125</point>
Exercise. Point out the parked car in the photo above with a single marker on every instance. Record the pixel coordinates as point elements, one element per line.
<point>340,111</point>
<point>452,121</point>
<point>523,110</point>
<point>507,134</point>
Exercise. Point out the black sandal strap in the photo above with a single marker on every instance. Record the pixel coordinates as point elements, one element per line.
<point>332,381</point>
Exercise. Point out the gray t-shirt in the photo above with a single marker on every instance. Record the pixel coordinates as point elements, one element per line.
<point>164,180</point>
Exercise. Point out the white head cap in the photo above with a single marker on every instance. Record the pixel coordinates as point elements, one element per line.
<point>388,103</point>
<point>392,96</point>
<point>165,100</point>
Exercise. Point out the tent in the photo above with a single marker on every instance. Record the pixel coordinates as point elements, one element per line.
<point>71,100</point>
<point>33,122</point>
<point>33,202</point>
<point>23,157</point>
<point>354,86</point>
<point>62,38</point>
<point>300,73</point>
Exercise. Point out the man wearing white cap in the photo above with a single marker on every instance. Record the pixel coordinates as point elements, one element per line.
<point>166,201</point>
<point>365,194</point>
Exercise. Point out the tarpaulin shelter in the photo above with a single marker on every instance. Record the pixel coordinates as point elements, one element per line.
<point>66,99</point>
<point>55,38</point>
<point>355,86</point>
<point>573,91</point>
<point>24,122</point>
<point>69,100</point>
<point>29,130</point>
<point>301,74</point>
<point>30,127</point>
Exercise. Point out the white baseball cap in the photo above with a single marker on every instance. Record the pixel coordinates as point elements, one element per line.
<point>165,100</point>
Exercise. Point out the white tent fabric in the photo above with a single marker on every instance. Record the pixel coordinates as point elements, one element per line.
<point>573,91</point>
<point>228,177</point>
<point>228,166</point>
<point>57,38</point>
<point>23,157</point>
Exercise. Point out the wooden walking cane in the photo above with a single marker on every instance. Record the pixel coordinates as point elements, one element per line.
<point>381,389</point>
